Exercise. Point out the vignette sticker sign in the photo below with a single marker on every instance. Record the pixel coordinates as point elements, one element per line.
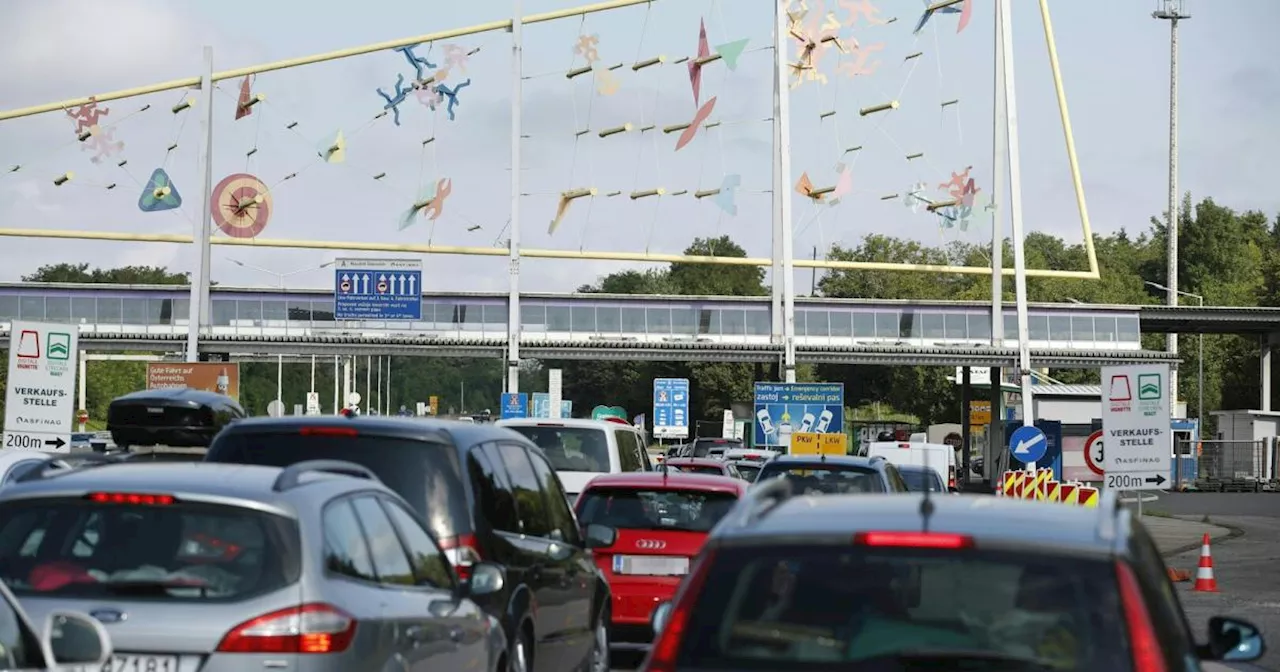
<point>1135,426</point>
<point>40,407</point>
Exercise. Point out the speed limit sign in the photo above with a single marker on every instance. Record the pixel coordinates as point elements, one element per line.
<point>1093,453</point>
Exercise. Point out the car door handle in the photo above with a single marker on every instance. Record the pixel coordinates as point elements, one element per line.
<point>455,635</point>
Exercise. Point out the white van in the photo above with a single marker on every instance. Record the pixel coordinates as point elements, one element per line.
<point>937,456</point>
<point>579,449</point>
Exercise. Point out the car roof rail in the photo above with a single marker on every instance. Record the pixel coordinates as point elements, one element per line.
<point>291,477</point>
<point>763,497</point>
<point>1109,509</point>
<point>72,462</point>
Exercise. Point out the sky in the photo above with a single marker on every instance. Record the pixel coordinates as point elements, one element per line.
<point>1114,58</point>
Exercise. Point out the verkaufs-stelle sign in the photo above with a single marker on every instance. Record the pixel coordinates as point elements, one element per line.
<point>40,392</point>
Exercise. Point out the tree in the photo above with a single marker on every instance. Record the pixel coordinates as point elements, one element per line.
<point>125,275</point>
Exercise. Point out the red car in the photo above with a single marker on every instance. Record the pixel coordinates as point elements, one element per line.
<point>662,520</point>
<point>703,465</point>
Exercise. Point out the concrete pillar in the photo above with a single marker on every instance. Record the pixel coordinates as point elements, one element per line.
<point>1264,361</point>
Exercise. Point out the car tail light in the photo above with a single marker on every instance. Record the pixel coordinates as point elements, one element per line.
<point>913,539</point>
<point>462,553</point>
<point>663,656</point>
<point>951,477</point>
<point>1143,644</point>
<point>144,499</point>
<point>328,431</point>
<point>309,628</point>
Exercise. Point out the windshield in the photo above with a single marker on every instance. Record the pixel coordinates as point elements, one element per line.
<point>824,607</point>
<point>570,448</point>
<point>918,480</point>
<point>749,472</point>
<point>175,551</point>
<point>426,474</point>
<point>674,510</point>
<point>828,479</point>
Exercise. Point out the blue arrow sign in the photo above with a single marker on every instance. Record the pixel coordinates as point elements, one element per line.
<point>1028,444</point>
<point>377,290</point>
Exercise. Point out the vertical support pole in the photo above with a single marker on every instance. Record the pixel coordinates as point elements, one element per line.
<point>966,432</point>
<point>337,375</point>
<point>368,383</point>
<point>782,118</point>
<point>198,313</point>
<point>381,398</point>
<point>82,392</point>
<point>996,450</point>
<point>1172,234</point>
<point>999,173</point>
<point>313,373</point>
<point>779,189</point>
<point>1015,212</point>
<point>513,245</point>
<point>1264,364</point>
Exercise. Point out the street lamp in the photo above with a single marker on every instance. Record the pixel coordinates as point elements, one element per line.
<point>280,357</point>
<point>1199,357</point>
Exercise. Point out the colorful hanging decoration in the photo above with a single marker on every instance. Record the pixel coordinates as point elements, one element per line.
<point>93,137</point>
<point>965,10</point>
<point>430,203</point>
<point>444,92</point>
<point>334,149</point>
<point>241,205</point>
<point>393,102</point>
<point>418,63</point>
<point>607,83</point>
<point>698,120</point>
<point>858,65</point>
<point>915,199</point>
<point>730,52</point>
<point>961,187</point>
<point>861,8</point>
<point>804,187</point>
<point>695,66</point>
<point>844,183</point>
<point>727,198</point>
<point>587,48</point>
<point>244,103</point>
<point>160,194</point>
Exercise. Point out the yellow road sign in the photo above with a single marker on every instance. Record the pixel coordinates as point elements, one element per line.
<point>809,443</point>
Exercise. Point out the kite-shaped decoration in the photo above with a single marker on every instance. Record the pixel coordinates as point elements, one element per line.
<point>727,199</point>
<point>804,187</point>
<point>844,183</point>
<point>393,102</point>
<point>864,8</point>
<point>587,48</point>
<point>94,138</point>
<point>695,67</point>
<point>430,204</point>
<point>160,194</point>
<point>915,199</point>
<point>606,83</point>
<point>961,187</point>
<point>730,52</point>
<point>244,104</point>
<point>241,205</point>
<point>698,120</point>
<point>965,10</point>
<point>815,36</point>
<point>333,150</point>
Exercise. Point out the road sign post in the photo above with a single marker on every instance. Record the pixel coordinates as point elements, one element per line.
<point>1093,453</point>
<point>377,289</point>
<point>1135,427</point>
<point>40,402</point>
<point>1028,444</point>
<point>671,408</point>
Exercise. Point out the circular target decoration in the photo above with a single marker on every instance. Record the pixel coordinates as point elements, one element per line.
<point>241,205</point>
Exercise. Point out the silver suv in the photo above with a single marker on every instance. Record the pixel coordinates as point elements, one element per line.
<point>317,566</point>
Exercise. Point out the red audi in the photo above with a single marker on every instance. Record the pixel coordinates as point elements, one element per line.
<point>662,521</point>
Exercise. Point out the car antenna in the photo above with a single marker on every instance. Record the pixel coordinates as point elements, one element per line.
<point>926,504</point>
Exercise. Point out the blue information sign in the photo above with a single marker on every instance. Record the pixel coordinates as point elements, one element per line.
<point>671,408</point>
<point>377,289</point>
<point>1028,444</point>
<point>542,406</point>
<point>783,409</point>
<point>515,405</point>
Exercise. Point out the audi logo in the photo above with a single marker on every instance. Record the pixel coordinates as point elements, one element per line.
<point>651,544</point>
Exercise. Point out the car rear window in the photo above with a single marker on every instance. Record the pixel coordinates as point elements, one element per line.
<point>825,479</point>
<point>634,509</point>
<point>570,448</point>
<point>825,607</point>
<point>426,474</point>
<point>701,469</point>
<point>710,447</point>
<point>749,471</point>
<point>918,480</point>
<point>187,551</point>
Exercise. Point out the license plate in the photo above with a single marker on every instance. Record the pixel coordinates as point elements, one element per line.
<point>650,565</point>
<point>130,662</point>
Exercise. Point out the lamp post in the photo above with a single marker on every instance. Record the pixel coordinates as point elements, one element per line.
<point>280,277</point>
<point>1199,357</point>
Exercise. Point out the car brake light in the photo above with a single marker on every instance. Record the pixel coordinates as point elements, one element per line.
<point>309,628</point>
<point>328,431</point>
<point>951,477</point>
<point>1147,656</point>
<point>144,499</point>
<point>913,539</point>
<point>663,656</point>
<point>619,421</point>
<point>462,553</point>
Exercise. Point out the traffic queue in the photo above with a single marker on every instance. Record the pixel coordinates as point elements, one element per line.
<point>207,540</point>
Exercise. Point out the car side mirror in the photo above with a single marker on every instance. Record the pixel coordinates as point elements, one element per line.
<point>76,639</point>
<point>661,616</point>
<point>600,536</point>
<point>487,578</point>
<point>1234,640</point>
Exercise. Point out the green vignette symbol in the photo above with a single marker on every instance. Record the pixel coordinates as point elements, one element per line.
<point>59,346</point>
<point>1149,386</point>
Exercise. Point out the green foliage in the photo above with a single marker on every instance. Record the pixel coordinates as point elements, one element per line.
<point>127,275</point>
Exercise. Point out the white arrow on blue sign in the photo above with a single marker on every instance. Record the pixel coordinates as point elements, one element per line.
<point>1028,444</point>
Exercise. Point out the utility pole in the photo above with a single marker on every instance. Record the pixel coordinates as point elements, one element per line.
<point>1172,11</point>
<point>513,245</point>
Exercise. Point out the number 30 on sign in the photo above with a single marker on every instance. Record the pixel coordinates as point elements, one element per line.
<point>1093,453</point>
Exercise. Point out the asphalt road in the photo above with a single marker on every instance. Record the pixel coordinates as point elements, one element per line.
<point>1264,504</point>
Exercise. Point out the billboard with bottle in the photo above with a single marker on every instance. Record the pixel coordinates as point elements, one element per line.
<point>220,377</point>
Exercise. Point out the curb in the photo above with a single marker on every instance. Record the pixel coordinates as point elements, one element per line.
<point>1233,532</point>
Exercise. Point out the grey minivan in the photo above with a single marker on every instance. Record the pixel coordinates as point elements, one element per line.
<point>216,567</point>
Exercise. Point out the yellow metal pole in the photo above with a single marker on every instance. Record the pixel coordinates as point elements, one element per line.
<point>189,82</point>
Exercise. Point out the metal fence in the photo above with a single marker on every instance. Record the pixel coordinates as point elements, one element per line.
<point>1233,466</point>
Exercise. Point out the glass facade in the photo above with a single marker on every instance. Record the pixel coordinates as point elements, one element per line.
<point>582,316</point>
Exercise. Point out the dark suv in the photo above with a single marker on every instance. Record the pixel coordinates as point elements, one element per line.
<point>929,582</point>
<point>834,474</point>
<point>488,494</point>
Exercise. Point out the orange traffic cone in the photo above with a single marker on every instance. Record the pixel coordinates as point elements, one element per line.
<point>1205,583</point>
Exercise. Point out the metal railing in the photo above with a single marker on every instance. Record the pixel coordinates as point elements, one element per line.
<point>1233,466</point>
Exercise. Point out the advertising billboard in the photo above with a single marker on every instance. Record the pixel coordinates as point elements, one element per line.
<point>220,377</point>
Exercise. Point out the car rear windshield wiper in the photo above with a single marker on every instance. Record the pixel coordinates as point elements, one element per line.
<point>153,587</point>
<point>965,659</point>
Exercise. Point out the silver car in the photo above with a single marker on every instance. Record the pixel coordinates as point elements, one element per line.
<point>213,567</point>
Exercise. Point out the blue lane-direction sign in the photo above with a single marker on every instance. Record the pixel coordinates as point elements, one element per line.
<point>671,408</point>
<point>542,406</point>
<point>783,409</point>
<point>377,289</point>
<point>1028,444</point>
<point>515,405</point>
